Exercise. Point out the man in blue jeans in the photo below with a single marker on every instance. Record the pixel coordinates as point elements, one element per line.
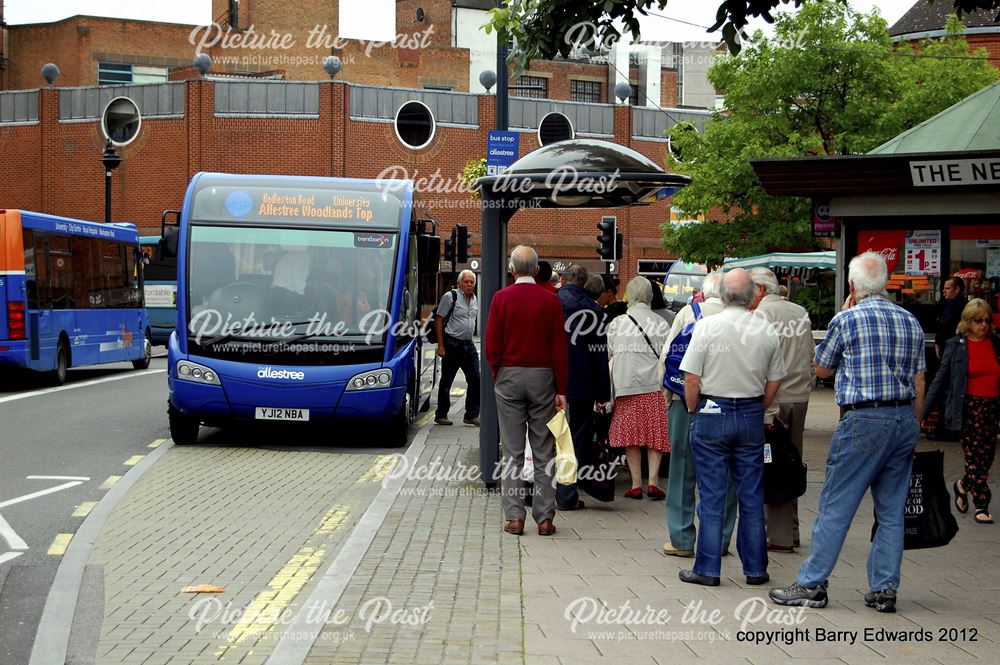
<point>732,370</point>
<point>876,349</point>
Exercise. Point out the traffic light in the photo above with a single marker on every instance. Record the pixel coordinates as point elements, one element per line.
<point>449,248</point>
<point>619,246</point>
<point>608,226</point>
<point>461,243</point>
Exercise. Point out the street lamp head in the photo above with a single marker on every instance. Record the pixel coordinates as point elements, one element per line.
<point>50,72</point>
<point>623,91</point>
<point>488,79</point>
<point>332,65</point>
<point>203,63</point>
<point>110,158</point>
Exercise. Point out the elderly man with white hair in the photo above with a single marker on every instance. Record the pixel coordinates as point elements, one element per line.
<point>681,476</point>
<point>794,330</point>
<point>876,349</point>
<point>732,371</point>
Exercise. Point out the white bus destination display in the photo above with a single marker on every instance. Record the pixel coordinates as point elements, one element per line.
<point>284,206</point>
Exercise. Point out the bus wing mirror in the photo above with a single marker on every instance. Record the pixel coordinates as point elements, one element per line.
<point>168,242</point>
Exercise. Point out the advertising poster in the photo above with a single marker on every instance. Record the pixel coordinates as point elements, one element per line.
<point>923,253</point>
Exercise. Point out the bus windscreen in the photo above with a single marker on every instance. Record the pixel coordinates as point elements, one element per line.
<point>259,283</point>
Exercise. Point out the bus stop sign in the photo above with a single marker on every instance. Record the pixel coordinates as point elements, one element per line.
<point>502,150</point>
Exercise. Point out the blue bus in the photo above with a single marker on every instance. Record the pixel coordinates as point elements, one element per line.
<point>70,293</point>
<point>298,299</point>
<point>159,289</point>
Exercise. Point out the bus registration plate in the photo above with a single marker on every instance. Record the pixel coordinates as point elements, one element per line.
<point>271,413</point>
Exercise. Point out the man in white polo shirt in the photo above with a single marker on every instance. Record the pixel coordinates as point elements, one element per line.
<point>733,369</point>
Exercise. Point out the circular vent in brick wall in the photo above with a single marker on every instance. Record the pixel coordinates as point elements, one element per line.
<point>414,125</point>
<point>675,137</point>
<point>554,127</point>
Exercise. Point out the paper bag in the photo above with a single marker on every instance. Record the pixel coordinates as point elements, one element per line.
<point>565,456</point>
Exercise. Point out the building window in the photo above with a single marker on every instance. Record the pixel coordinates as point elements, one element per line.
<point>114,73</point>
<point>633,98</point>
<point>585,91</point>
<point>540,87</point>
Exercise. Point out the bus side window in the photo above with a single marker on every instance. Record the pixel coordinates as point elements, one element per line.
<point>41,271</point>
<point>61,272</point>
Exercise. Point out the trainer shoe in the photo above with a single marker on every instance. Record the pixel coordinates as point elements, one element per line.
<point>882,601</point>
<point>794,594</point>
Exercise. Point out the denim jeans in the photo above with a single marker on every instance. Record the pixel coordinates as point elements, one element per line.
<point>870,448</point>
<point>727,444</point>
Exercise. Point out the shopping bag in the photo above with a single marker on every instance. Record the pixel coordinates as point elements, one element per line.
<point>598,468</point>
<point>528,473</point>
<point>565,456</point>
<point>784,471</point>
<point>927,521</point>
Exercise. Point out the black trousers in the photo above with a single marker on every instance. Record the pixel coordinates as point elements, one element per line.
<point>462,355</point>
<point>581,427</point>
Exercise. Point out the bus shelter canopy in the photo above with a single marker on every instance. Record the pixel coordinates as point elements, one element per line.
<point>581,173</point>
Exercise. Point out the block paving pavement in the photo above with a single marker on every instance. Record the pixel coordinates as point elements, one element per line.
<point>441,583</point>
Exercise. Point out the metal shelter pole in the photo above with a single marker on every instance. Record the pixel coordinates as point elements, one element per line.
<point>494,250</point>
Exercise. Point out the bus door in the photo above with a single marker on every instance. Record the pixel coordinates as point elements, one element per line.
<point>40,316</point>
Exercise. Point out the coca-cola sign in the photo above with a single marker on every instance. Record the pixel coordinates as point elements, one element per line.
<point>886,244</point>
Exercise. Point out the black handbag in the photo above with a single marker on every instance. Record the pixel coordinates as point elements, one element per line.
<point>784,471</point>
<point>597,467</point>
<point>928,521</point>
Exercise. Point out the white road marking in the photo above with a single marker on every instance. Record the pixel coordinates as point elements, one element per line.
<point>7,532</point>
<point>34,495</point>
<point>82,384</point>
<point>57,478</point>
<point>9,555</point>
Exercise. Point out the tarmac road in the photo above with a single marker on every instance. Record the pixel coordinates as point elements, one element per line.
<point>58,449</point>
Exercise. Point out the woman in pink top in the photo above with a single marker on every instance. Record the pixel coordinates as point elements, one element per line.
<point>969,383</point>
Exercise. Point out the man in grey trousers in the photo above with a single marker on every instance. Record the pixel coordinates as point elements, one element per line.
<point>527,352</point>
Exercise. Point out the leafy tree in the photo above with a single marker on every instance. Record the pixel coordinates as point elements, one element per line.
<point>828,82</point>
<point>545,28</point>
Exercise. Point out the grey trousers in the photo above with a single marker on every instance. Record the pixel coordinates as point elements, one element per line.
<point>783,518</point>
<point>525,404</point>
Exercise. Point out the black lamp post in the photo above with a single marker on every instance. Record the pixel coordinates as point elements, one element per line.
<point>111,161</point>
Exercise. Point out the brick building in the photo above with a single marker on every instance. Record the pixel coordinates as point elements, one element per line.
<point>927,21</point>
<point>298,125</point>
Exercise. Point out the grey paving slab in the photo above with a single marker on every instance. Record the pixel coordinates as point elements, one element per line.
<point>440,582</point>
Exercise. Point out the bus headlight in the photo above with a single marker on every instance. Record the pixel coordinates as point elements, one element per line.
<point>378,378</point>
<point>189,371</point>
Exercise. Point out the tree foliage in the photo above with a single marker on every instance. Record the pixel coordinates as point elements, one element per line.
<point>546,28</point>
<point>828,82</point>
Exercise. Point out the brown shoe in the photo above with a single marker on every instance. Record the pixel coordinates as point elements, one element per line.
<point>442,421</point>
<point>787,549</point>
<point>515,527</point>
<point>546,528</point>
<point>669,550</point>
<point>472,421</point>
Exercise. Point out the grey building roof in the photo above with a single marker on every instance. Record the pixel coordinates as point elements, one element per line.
<point>926,17</point>
<point>484,5</point>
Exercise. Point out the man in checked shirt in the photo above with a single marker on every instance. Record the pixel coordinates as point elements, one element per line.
<point>876,349</point>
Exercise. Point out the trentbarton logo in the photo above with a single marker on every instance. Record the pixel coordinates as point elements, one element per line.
<point>271,373</point>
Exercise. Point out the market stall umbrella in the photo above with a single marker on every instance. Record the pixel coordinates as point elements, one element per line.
<point>579,173</point>
<point>818,260</point>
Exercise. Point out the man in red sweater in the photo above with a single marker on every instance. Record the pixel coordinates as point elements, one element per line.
<point>527,352</point>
